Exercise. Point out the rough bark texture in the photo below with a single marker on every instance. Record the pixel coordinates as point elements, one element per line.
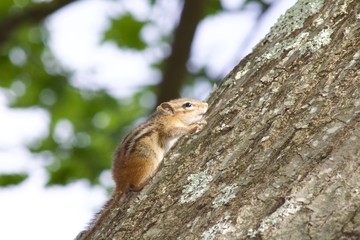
<point>280,157</point>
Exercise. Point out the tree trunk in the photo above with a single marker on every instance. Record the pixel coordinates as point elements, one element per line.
<point>280,156</point>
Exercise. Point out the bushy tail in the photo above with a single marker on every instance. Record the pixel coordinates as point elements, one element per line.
<point>99,217</point>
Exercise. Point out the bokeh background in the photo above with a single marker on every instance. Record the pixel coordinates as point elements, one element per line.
<point>75,76</point>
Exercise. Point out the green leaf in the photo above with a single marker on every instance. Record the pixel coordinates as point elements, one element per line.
<point>12,179</point>
<point>125,31</point>
<point>212,7</point>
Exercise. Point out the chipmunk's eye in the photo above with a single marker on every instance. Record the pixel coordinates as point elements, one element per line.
<point>187,105</point>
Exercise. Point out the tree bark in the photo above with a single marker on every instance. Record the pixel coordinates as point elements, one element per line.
<point>280,156</point>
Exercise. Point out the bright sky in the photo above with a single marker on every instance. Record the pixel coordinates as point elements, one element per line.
<point>30,211</point>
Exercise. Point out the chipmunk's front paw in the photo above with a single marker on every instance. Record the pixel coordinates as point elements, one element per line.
<point>200,125</point>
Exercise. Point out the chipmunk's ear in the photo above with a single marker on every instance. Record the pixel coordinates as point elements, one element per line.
<point>166,108</point>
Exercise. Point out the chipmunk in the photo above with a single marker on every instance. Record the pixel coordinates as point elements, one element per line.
<point>141,152</point>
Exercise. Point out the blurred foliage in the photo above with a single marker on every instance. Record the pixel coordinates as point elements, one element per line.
<point>213,7</point>
<point>11,179</point>
<point>94,119</point>
<point>5,6</point>
<point>125,31</point>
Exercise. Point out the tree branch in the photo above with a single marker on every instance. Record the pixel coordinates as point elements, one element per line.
<point>175,68</point>
<point>29,15</point>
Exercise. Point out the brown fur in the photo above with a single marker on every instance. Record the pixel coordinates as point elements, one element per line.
<point>141,152</point>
